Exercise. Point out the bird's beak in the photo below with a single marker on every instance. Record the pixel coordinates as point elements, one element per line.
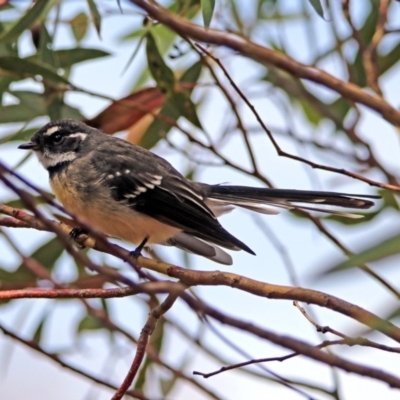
<point>29,146</point>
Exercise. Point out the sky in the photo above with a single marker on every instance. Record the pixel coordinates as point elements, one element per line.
<point>28,373</point>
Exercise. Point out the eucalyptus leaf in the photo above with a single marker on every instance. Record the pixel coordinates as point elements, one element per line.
<point>89,322</point>
<point>69,57</point>
<point>317,6</point>
<point>30,68</point>
<point>207,9</point>
<point>17,113</point>
<point>160,71</point>
<point>48,253</point>
<point>382,250</point>
<point>96,17</point>
<point>79,26</point>
<point>34,13</point>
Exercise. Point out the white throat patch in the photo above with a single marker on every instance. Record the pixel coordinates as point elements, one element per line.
<point>48,159</point>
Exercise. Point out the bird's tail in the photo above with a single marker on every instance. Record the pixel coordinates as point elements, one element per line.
<point>268,201</point>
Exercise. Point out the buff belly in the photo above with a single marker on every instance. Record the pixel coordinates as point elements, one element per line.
<point>115,219</point>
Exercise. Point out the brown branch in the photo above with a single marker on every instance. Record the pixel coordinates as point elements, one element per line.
<point>145,334</point>
<point>270,291</point>
<point>320,328</point>
<point>293,344</point>
<point>283,153</point>
<point>89,293</point>
<point>217,278</point>
<point>34,346</point>
<point>217,358</point>
<point>267,56</point>
<point>347,342</point>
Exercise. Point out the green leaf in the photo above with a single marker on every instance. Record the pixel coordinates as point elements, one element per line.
<point>172,110</point>
<point>16,113</point>
<point>79,26</point>
<point>45,53</point>
<point>17,203</point>
<point>69,57</point>
<point>7,49</point>
<point>96,17</point>
<point>369,27</point>
<point>160,71</point>
<point>90,323</point>
<point>49,253</point>
<point>207,8</point>
<point>317,6</point>
<point>35,12</point>
<point>20,275</point>
<point>29,68</point>
<point>366,33</point>
<point>309,111</point>
<point>179,104</point>
<point>184,106</point>
<point>387,61</point>
<point>32,105</point>
<point>70,112</point>
<point>165,38</point>
<point>37,335</point>
<point>358,75</point>
<point>33,100</point>
<point>159,128</point>
<point>384,249</point>
<point>353,221</point>
<point>21,135</point>
<point>389,199</point>
<point>192,74</point>
<point>340,107</point>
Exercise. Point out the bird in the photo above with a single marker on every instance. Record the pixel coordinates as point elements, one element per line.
<point>130,193</point>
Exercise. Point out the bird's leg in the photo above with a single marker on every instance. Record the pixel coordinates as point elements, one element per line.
<point>75,232</point>
<point>138,251</point>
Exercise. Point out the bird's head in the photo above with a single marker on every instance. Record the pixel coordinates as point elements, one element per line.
<point>58,142</point>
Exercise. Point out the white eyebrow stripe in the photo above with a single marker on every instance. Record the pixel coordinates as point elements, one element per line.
<point>52,130</point>
<point>79,134</point>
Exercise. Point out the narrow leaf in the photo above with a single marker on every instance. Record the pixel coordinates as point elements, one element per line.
<point>16,113</point>
<point>160,128</point>
<point>38,9</point>
<point>69,57</point>
<point>89,322</point>
<point>317,6</point>
<point>70,112</point>
<point>160,71</point>
<point>33,100</point>
<point>48,253</point>
<point>21,135</point>
<point>185,106</point>
<point>207,8</point>
<point>37,335</point>
<point>29,68</point>
<point>79,26</point>
<point>380,251</point>
<point>96,17</point>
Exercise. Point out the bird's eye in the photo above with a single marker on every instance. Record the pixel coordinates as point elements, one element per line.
<point>56,138</point>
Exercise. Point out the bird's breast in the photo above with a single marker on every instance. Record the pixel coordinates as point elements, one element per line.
<point>95,207</point>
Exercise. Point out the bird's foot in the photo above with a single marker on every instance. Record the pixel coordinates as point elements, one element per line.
<point>138,251</point>
<point>75,233</point>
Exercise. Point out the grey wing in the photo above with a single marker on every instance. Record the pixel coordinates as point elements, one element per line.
<point>150,185</point>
